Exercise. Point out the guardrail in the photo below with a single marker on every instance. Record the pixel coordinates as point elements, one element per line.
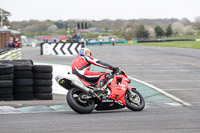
<point>140,41</point>
<point>117,42</point>
<point>149,41</point>
<point>10,54</point>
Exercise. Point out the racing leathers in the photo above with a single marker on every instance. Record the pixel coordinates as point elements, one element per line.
<point>81,68</point>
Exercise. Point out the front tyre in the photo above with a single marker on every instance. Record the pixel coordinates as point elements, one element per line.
<point>134,100</point>
<point>79,101</point>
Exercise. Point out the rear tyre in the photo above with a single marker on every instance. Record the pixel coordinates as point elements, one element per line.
<point>76,100</point>
<point>134,100</point>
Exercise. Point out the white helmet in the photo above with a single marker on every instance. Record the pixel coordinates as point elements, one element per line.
<point>85,51</point>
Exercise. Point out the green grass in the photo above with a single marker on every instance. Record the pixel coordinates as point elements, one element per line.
<point>182,44</point>
<point>183,37</point>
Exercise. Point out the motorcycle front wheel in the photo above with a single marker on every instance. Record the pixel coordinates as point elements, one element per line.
<point>79,101</point>
<point>134,100</point>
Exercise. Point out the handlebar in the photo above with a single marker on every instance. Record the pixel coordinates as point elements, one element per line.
<point>114,72</point>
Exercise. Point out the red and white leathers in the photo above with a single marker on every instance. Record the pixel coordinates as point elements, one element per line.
<point>81,66</point>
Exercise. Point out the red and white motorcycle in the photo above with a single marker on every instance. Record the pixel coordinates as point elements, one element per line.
<point>115,93</point>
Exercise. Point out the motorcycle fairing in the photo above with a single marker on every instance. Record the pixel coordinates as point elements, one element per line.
<point>118,87</point>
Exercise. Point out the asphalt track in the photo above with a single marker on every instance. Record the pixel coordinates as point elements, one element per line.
<point>175,70</point>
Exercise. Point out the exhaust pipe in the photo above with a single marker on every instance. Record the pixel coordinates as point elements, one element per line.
<point>85,89</point>
<point>82,87</point>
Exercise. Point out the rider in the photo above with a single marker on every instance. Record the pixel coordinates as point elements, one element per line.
<point>81,66</point>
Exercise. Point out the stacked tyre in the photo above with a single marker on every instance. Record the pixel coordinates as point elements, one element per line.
<point>6,81</point>
<point>42,87</point>
<point>23,80</point>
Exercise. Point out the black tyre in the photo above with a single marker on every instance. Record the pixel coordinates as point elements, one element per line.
<point>6,69</point>
<point>6,97</point>
<point>29,62</point>
<point>23,82</point>
<point>43,83</point>
<point>43,96</point>
<point>23,89</point>
<point>42,76</point>
<point>5,61</point>
<point>23,74</point>
<point>7,77</point>
<point>134,100</point>
<point>77,103</point>
<point>23,96</point>
<point>6,91</point>
<point>23,67</point>
<point>6,83</point>
<point>42,89</point>
<point>42,69</point>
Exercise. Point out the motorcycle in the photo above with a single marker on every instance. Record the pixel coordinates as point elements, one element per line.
<point>115,93</point>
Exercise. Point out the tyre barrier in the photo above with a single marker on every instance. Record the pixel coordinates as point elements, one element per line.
<point>21,80</point>
<point>6,81</point>
<point>13,54</point>
<point>62,49</point>
<point>42,76</point>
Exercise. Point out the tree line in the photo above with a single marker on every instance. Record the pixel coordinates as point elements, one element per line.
<point>142,33</point>
<point>125,29</point>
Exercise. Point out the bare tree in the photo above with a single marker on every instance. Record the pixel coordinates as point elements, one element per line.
<point>197,19</point>
<point>52,28</point>
<point>129,33</point>
<point>177,28</point>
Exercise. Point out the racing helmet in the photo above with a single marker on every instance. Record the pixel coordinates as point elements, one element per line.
<point>85,52</point>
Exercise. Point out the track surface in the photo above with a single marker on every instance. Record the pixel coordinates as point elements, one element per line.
<point>175,70</point>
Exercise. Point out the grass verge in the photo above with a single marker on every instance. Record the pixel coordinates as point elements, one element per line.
<point>184,44</point>
<point>181,44</point>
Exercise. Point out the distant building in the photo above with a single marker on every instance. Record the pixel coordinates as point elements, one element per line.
<point>58,38</point>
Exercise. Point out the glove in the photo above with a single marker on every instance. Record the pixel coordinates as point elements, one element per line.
<point>115,69</point>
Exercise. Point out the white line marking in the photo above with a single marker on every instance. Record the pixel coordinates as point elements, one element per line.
<point>174,81</point>
<point>174,104</point>
<point>163,92</point>
<point>188,89</point>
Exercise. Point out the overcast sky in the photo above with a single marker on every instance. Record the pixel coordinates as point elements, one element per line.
<point>100,9</point>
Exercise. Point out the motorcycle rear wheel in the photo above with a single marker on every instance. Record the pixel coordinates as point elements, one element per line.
<point>76,100</point>
<point>134,100</point>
